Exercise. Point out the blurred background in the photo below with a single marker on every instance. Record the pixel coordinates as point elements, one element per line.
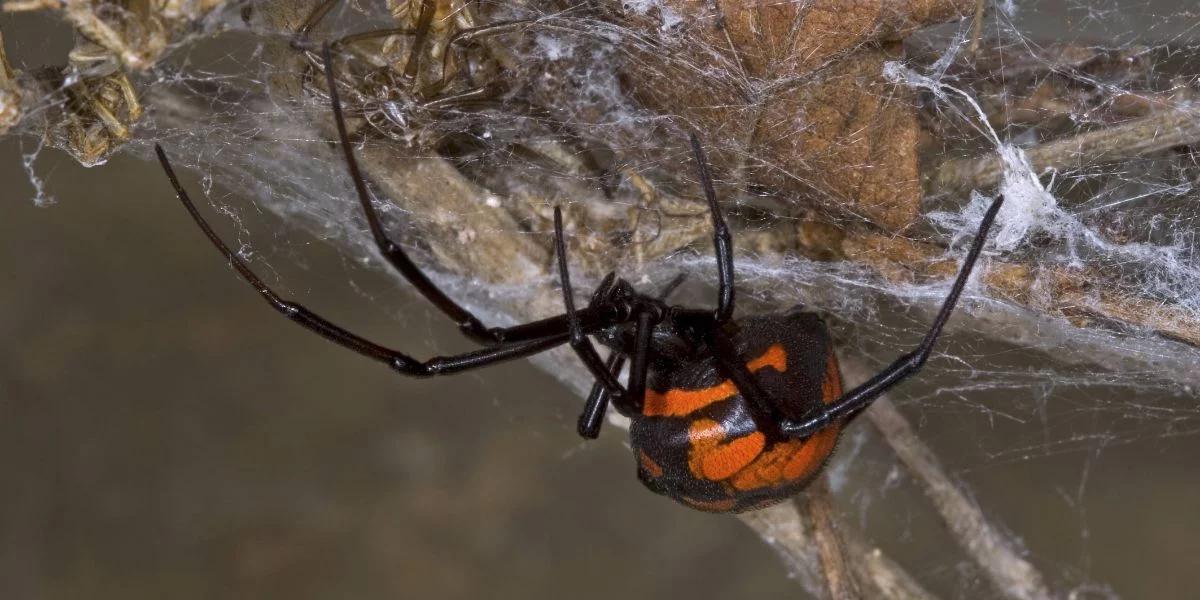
<point>163,433</point>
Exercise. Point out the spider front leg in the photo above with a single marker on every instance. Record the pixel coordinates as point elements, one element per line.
<point>315,16</point>
<point>722,239</point>
<point>579,340</point>
<point>468,324</point>
<point>557,333</point>
<point>597,401</point>
<point>862,396</point>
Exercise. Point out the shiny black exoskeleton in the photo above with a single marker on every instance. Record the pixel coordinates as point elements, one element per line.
<point>727,414</point>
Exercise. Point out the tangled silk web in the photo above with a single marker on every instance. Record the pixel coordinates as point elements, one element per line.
<point>856,147</point>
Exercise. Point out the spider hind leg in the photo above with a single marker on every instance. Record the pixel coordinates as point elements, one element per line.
<point>862,396</point>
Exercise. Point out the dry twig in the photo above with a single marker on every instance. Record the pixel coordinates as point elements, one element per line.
<point>839,576</point>
<point>1138,137</point>
<point>10,93</point>
<point>1075,296</point>
<point>785,528</point>
<point>878,574</point>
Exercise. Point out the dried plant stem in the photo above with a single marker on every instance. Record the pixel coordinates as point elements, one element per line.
<point>879,576</point>
<point>10,93</point>
<point>785,529</point>
<point>1049,291</point>
<point>788,529</point>
<point>86,17</point>
<point>839,578</point>
<point>997,555</point>
<point>977,27</point>
<point>1161,131</point>
<point>30,5</point>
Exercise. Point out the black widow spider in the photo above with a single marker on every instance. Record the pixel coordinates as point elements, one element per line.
<point>727,414</point>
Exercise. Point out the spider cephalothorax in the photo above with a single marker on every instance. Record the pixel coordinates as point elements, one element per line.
<point>727,414</point>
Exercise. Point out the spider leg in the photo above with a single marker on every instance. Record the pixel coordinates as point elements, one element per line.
<point>355,38</point>
<point>468,324</point>
<point>641,358</point>
<point>861,396</point>
<point>672,286</point>
<point>424,22</point>
<point>591,318</point>
<point>722,239</point>
<point>579,340</point>
<point>439,365</point>
<point>318,13</point>
<point>639,369</point>
<point>732,366</point>
<point>457,43</point>
<point>597,401</point>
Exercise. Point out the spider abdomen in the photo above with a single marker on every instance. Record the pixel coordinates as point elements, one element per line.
<point>696,437</point>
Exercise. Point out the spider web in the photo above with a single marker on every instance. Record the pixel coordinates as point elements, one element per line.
<point>854,164</point>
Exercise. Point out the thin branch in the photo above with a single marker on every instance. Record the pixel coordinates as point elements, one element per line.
<point>839,578</point>
<point>1076,296</point>
<point>1155,133</point>
<point>785,529</point>
<point>977,27</point>
<point>880,576</point>
<point>10,93</point>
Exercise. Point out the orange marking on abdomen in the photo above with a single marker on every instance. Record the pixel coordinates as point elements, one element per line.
<point>787,461</point>
<point>774,357</point>
<point>713,458</point>
<point>677,403</point>
<point>652,468</point>
<point>767,469</point>
<point>812,454</point>
<point>796,460</point>
<point>831,387</point>
<point>710,505</point>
